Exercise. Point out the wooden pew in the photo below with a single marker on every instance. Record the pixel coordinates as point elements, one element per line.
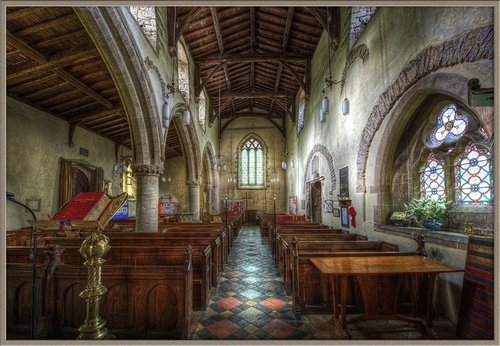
<point>158,239</point>
<point>142,302</point>
<point>310,291</point>
<point>283,253</point>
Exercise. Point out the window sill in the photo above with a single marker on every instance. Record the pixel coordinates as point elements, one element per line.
<point>449,239</point>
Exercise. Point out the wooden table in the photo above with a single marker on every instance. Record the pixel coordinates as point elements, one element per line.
<point>380,280</point>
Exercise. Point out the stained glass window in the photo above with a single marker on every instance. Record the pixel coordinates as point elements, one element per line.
<point>202,109</point>
<point>252,164</point>
<point>432,180</point>
<point>183,72</point>
<point>450,127</point>
<point>474,179</point>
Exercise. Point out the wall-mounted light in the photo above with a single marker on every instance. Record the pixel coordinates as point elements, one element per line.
<point>292,164</point>
<point>345,106</point>
<point>325,104</point>
<point>283,164</point>
<point>186,117</point>
<point>322,115</point>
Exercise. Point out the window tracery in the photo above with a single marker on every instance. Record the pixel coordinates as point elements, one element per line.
<point>252,164</point>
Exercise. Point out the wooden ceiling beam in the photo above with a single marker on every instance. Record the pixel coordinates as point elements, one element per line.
<point>17,14</point>
<point>254,94</point>
<point>39,58</point>
<point>257,57</point>
<point>285,108</point>
<point>295,75</point>
<point>58,38</point>
<point>188,18</point>
<point>330,22</point>
<point>86,117</point>
<point>48,24</point>
<point>118,132</point>
<point>61,60</point>
<point>288,27</point>
<point>110,127</point>
<point>253,114</point>
<point>209,76</point>
<point>218,33</point>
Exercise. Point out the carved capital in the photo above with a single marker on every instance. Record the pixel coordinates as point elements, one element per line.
<point>147,170</point>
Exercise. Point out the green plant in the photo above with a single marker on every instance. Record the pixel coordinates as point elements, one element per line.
<point>426,208</point>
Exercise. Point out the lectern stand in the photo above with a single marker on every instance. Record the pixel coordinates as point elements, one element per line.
<point>93,249</point>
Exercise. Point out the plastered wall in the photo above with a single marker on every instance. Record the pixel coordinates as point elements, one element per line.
<point>35,142</point>
<point>262,199</point>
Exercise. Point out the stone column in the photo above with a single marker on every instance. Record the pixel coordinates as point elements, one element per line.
<point>194,199</point>
<point>214,200</point>
<point>209,206</point>
<point>147,197</point>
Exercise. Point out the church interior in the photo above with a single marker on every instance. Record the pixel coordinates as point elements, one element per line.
<point>276,173</point>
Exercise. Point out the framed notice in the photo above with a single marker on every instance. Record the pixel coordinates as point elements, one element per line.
<point>344,216</point>
<point>292,205</point>
<point>328,206</point>
<point>336,212</point>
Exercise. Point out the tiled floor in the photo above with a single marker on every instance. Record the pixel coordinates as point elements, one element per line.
<point>250,303</point>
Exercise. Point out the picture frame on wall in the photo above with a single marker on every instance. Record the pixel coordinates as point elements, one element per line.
<point>344,216</point>
<point>328,206</point>
<point>336,212</point>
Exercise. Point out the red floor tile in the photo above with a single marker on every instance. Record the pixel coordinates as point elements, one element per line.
<point>272,303</point>
<point>229,303</point>
<point>278,329</point>
<point>223,329</point>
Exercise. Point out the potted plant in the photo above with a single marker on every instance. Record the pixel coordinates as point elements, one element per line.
<point>427,212</point>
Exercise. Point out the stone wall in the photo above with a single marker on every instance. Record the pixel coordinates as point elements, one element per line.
<point>175,168</point>
<point>35,142</point>
<point>360,16</point>
<point>146,18</point>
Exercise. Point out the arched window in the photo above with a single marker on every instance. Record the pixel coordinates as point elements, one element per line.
<point>145,16</point>
<point>450,127</point>
<point>183,72</point>
<point>301,110</point>
<point>202,110</point>
<point>474,179</point>
<point>251,164</point>
<point>432,179</point>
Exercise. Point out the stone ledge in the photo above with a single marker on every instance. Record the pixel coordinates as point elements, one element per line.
<point>448,239</point>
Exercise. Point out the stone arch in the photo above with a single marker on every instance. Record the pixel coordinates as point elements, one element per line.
<point>472,46</point>
<point>111,34</point>
<point>189,142</point>
<point>319,148</point>
<point>361,52</point>
<point>452,86</point>
<point>213,179</point>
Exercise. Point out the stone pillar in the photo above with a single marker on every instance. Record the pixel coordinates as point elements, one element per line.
<point>194,198</point>
<point>147,197</point>
<point>214,200</point>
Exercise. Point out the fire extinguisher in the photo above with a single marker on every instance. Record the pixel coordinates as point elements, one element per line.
<point>352,215</point>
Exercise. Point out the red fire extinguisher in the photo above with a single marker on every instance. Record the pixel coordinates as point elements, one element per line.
<point>352,215</point>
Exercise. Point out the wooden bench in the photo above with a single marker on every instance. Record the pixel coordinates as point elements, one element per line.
<point>142,301</point>
<point>283,257</point>
<point>158,239</point>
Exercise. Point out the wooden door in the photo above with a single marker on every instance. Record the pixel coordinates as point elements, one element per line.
<point>316,201</point>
